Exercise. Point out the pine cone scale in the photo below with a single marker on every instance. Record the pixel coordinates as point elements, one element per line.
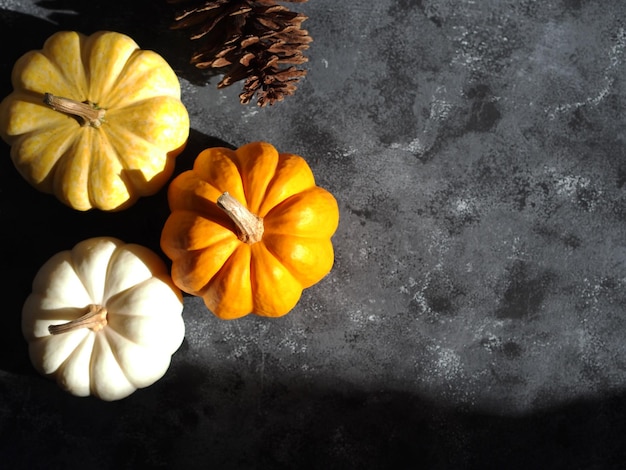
<point>247,42</point>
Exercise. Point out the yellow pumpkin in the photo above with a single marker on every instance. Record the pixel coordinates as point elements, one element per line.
<point>249,229</point>
<point>94,120</point>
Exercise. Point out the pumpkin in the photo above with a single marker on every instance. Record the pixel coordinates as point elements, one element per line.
<point>103,318</point>
<point>94,120</point>
<point>249,229</point>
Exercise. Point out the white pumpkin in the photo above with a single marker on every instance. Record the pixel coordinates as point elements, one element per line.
<point>103,319</point>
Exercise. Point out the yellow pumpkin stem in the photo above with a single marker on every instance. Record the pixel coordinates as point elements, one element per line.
<point>88,112</point>
<point>250,225</point>
<point>95,319</point>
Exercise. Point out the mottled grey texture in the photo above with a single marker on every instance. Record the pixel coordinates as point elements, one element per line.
<point>476,312</point>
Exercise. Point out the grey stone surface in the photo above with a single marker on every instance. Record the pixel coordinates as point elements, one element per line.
<point>475,315</point>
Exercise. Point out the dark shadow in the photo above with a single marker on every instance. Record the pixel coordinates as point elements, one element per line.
<point>148,22</point>
<point>195,418</point>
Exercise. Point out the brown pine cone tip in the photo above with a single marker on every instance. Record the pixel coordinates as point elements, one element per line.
<point>259,41</point>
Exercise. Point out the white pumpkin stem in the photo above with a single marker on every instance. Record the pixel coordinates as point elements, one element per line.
<point>250,225</point>
<point>95,319</point>
<point>88,112</point>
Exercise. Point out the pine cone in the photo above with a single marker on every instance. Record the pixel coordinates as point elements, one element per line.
<point>259,41</point>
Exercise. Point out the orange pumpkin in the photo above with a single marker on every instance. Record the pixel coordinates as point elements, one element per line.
<point>249,230</point>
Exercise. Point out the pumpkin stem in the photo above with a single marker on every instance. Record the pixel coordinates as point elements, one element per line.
<point>89,113</point>
<point>250,225</point>
<point>95,319</point>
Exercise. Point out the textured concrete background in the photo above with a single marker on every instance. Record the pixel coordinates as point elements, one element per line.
<point>475,315</point>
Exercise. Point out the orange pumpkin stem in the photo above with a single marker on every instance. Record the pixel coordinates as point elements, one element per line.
<point>95,319</point>
<point>89,113</point>
<point>250,225</point>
